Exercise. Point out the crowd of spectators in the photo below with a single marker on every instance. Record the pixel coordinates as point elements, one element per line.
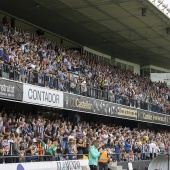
<point>43,137</point>
<point>37,60</point>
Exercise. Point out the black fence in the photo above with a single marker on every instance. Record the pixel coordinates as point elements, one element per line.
<point>32,158</point>
<point>74,83</point>
<point>119,157</point>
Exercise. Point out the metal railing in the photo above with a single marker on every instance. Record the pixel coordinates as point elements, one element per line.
<point>69,84</point>
<point>119,157</point>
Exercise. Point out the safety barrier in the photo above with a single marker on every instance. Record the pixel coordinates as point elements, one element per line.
<point>53,165</point>
<point>68,85</point>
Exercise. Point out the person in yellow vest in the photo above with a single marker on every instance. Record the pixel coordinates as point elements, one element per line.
<point>104,159</point>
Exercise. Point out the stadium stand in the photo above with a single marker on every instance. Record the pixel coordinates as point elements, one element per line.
<point>36,60</point>
<point>121,115</point>
<point>43,137</point>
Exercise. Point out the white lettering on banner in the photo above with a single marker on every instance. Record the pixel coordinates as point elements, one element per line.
<point>9,88</point>
<point>68,165</point>
<point>42,96</point>
<point>59,165</point>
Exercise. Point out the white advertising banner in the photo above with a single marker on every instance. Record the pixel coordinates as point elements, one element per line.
<point>59,165</point>
<point>42,96</point>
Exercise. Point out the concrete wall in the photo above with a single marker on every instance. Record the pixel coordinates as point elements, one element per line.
<point>140,165</point>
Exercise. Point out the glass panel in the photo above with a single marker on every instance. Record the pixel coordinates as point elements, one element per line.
<point>123,66</point>
<point>89,55</point>
<point>153,70</point>
<point>118,63</point>
<point>146,72</point>
<point>131,68</point>
<point>97,57</point>
<point>141,72</point>
<point>94,57</point>
<point>107,60</point>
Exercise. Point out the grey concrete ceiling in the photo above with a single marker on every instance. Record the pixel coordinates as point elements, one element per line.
<point>113,27</point>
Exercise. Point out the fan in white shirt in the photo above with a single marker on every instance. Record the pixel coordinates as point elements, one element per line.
<point>105,137</point>
<point>71,136</point>
<point>152,147</point>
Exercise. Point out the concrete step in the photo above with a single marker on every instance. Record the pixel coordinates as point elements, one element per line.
<point>113,163</point>
<point>115,167</point>
<point>119,167</point>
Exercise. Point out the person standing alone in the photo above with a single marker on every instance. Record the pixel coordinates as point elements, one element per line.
<point>94,155</point>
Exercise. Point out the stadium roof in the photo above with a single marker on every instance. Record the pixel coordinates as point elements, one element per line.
<point>113,27</point>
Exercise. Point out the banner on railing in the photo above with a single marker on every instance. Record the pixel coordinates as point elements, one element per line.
<point>153,117</point>
<point>11,90</point>
<point>105,108</point>
<point>78,103</point>
<point>168,120</point>
<point>42,96</point>
<point>126,112</point>
<point>59,165</point>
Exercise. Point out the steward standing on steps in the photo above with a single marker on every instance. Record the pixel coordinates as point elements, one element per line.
<point>94,155</point>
